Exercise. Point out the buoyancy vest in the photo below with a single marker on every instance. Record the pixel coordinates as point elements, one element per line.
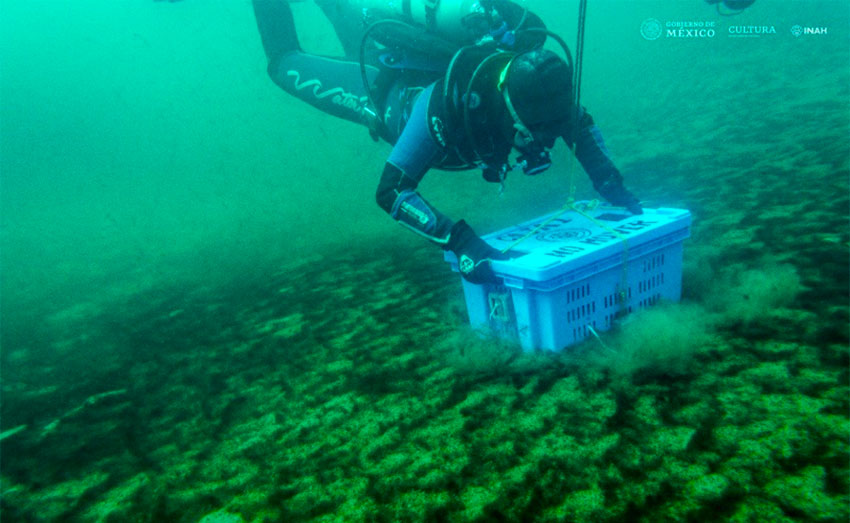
<point>466,110</point>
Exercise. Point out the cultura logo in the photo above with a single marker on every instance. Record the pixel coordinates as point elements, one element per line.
<point>651,29</point>
<point>751,30</point>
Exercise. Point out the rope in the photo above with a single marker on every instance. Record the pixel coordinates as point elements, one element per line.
<point>596,335</point>
<point>622,293</point>
<point>571,168</point>
<point>580,34</point>
<point>582,15</point>
<point>567,207</point>
<point>577,69</point>
<point>571,204</point>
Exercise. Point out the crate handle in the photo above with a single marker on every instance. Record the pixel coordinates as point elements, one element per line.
<point>498,303</point>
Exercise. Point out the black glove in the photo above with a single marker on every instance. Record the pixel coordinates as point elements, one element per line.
<point>618,195</point>
<point>473,254</point>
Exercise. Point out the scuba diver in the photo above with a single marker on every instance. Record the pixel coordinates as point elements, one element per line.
<point>452,85</point>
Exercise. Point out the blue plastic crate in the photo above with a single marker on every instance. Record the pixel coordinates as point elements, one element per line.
<point>572,274</point>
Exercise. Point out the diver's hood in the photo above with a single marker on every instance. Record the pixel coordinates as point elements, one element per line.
<point>539,86</point>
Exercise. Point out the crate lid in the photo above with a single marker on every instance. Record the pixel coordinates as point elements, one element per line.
<point>571,241</point>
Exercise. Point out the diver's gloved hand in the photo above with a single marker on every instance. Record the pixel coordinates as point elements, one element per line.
<point>618,195</point>
<point>473,254</point>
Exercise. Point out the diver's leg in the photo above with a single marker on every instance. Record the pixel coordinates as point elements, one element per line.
<point>331,85</point>
<point>277,27</point>
<point>347,19</point>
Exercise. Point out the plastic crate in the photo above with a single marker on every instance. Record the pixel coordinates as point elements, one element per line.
<point>572,274</point>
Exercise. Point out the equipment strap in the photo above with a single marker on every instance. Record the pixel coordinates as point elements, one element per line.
<point>571,204</point>
<point>430,13</point>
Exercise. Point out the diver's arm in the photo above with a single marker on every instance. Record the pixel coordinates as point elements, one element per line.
<point>593,155</point>
<point>397,196</point>
<point>412,156</point>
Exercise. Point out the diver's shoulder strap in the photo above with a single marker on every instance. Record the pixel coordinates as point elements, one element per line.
<point>431,14</point>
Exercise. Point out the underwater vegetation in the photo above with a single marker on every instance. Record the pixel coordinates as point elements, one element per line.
<point>354,395</point>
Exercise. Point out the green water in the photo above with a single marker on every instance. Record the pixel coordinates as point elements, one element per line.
<point>204,312</point>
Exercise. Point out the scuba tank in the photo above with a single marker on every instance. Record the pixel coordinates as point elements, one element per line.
<point>460,21</point>
<point>421,37</point>
<point>426,34</point>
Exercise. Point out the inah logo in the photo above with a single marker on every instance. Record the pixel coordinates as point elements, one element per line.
<point>651,29</point>
<point>799,30</point>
